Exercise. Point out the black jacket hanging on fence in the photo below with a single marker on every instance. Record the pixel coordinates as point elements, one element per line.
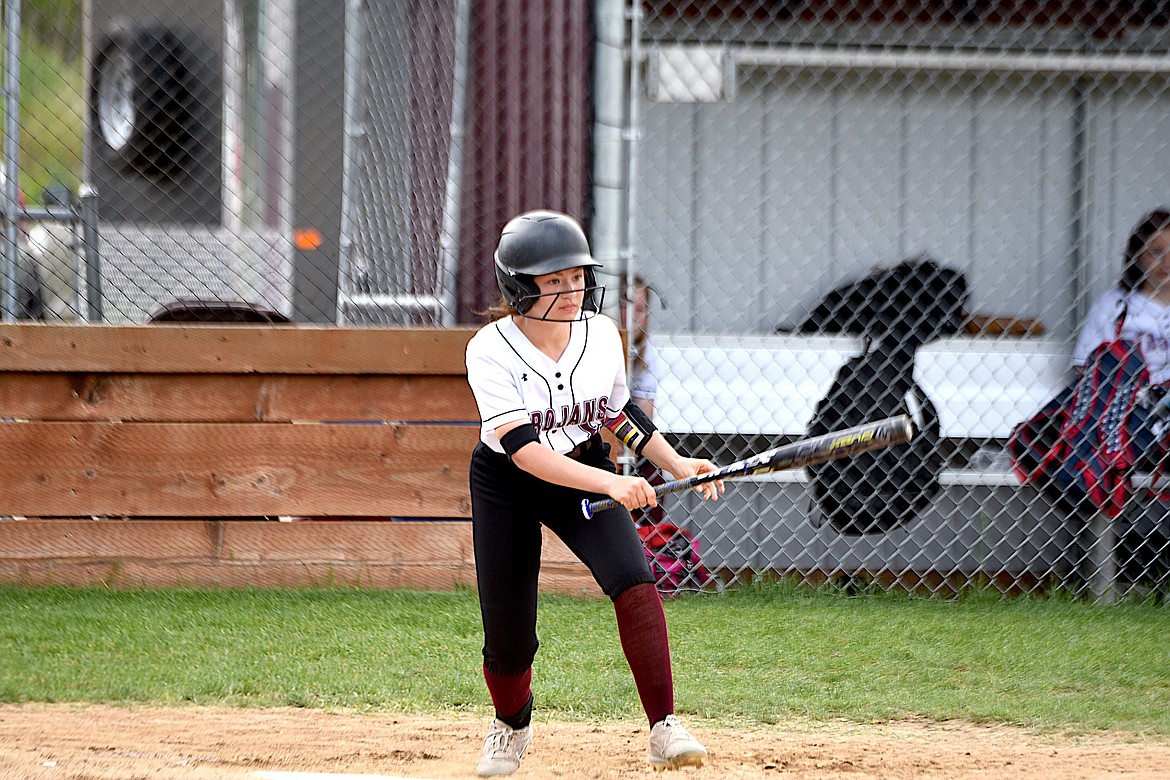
<point>913,303</point>
<point>897,310</point>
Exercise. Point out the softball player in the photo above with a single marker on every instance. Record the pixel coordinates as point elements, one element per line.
<point>547,375</point>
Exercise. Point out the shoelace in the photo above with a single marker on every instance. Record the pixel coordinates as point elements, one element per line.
<point>499,742</point>
<point>675,729</point>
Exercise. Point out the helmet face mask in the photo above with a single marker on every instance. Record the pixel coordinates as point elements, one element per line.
<point>543,242</point>
<point>594,295</point>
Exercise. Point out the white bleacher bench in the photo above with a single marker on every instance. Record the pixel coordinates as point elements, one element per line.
<point>770,385</point>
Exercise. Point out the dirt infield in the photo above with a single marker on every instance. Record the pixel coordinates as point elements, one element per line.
<point>108,743</point>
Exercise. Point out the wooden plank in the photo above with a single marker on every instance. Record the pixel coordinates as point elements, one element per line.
<point>33,540</point>
<point>220,349</point>
<point>226,574</point>
<point>234,470</point>
<point>235,397</point>
<point>193,553</point>
<point>433,543</point>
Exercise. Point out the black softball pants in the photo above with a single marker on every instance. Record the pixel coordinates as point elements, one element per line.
<point>508,507</point>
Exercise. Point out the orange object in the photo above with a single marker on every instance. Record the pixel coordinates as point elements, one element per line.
<point>307,238</point>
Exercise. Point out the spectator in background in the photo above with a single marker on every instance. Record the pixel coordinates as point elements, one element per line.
<point>1141,300</point>
<point>635,317</point>
<point>672,551</point>
<point>1138,310</point>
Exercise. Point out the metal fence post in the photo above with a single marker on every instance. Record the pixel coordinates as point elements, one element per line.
<point>11,171</point>
<point>1102,558</point>
<point>87,201</point>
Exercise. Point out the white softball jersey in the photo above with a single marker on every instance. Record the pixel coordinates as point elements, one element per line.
<point>568,400</point>
<point>1146,321</point>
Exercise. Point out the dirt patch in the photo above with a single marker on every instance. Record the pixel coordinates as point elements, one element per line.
<point>99,743</point>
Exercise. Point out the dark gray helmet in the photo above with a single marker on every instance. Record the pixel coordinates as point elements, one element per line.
<point>542,242</point>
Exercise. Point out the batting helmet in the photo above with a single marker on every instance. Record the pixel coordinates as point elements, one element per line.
<point>542,242</point>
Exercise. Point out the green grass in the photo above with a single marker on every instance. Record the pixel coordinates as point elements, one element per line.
<point>752,655</point>
<point>52,117</point>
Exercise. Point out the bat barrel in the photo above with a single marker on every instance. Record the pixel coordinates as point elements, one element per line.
<point>807,452</point>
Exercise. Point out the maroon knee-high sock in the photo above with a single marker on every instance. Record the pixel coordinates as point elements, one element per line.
<point>642,628</point>
<point>511,696</point>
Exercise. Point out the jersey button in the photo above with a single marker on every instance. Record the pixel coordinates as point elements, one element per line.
<point>560,387</point>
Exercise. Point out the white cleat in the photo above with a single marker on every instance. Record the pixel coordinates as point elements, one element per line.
<point>672,746</point>
<point>503,749</point>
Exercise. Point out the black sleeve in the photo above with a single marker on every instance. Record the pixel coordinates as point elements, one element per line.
<point>516,438</point>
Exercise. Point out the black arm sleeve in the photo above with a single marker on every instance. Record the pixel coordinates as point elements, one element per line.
<point>516,438</point>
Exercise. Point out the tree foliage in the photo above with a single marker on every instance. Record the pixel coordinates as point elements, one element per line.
<point>55,23</point>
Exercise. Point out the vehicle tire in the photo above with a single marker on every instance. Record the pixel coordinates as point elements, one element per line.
<point>140,101</point>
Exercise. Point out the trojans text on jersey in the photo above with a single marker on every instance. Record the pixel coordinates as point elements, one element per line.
<point>590,415</point>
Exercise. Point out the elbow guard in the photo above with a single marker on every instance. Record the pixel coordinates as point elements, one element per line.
<point>632,426</point>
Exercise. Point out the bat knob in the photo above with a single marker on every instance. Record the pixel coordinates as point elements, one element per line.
<point>586,509</point>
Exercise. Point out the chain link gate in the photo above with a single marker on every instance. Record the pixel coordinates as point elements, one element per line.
<point>400,207</point>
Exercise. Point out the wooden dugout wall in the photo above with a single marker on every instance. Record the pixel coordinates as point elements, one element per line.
<point>168,455</point>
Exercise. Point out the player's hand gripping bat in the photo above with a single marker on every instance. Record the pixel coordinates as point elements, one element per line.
<point>806,452</point>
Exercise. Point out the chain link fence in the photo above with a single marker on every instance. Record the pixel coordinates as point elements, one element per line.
<point>787,150</point>
<point>769,168</point>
